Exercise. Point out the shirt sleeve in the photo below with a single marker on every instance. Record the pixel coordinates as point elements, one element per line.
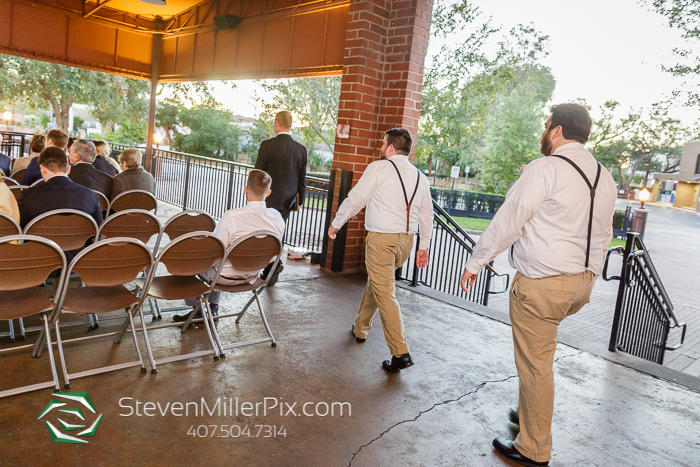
<point>358,197</point>
<point>425,217</point>
<point>225,229</point>
<point>522,202</point>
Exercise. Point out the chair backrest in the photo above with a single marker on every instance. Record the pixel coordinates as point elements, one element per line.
<point>8,226</point>
<point>132,223</point>
<point>27,260</point>
<point>104,201</point>
<point>113,261</point>
<point>10,181</point>
<point>41,180</point>
<point>17,190</point>
<point>191,254</point>
<point>18,175</point>
<point>69,228</point>
<point>254,251</point>
<point>134,199</point>
<point>188,221</point>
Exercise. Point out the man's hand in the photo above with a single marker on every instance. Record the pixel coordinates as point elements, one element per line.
<point>422,259</point>
<point>468,276</point>
<point>332,231</point>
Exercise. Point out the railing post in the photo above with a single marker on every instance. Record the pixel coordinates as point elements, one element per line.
<point>329,212</point>
<point>414,276</point>
<point>229,196</point>
<point>339,242</point>
<point>487,285</point>
<point>614,333</point>
<point>187,183</point>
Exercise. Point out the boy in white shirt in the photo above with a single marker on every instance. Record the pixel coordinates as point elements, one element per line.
<point>238,223</point>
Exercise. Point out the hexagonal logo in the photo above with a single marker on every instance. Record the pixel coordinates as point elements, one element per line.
<point>72,418</point>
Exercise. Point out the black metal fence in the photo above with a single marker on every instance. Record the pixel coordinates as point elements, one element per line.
<point>450,249</point>
<point>467,203</point>
<point>215,186</point>
<point>643,312</point>
<point>622,222</point>
<point>15,145</point>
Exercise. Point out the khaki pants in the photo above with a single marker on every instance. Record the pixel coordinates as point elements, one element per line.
<point>384,254</point>
<point>537,306</point>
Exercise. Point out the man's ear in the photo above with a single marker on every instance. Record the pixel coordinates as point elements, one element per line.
<point>69,167</point>
<point>268,193</point>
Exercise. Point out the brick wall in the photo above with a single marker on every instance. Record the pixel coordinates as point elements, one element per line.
<point>385,50</point>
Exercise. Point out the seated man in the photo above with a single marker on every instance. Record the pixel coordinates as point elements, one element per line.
<point>36,145</point>
<point>58,191</point>
<point>133,176</point>
<point>237,223</point>
<point>54,138</point>
<point>82,155</point>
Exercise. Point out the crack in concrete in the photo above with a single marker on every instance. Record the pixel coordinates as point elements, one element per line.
<point>448,401</point>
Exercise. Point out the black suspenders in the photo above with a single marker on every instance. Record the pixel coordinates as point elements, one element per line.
<point>405,196</point>
<point>592,189</point>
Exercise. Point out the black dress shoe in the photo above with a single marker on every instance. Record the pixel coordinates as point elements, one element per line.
<point>506,448</point>
<point>357,339</point>
<point>182,318</point>
<point>275,275</point>
<point>397,363</point>
<point>513,417</point>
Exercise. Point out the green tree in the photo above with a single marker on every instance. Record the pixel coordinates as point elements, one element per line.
<point>208,132</point>
<point>256,134</point>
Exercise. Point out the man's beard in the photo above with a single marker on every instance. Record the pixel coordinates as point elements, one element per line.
<point>546,144</point>
<point>382,155</point>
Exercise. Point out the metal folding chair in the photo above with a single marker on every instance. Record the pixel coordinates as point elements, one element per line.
<point>17,190</point>
<point>185,258</point>
<point>250,253</point>
<point>41,180</point>
<point>25,263</point>
<point>8,226</point>
<point>10,181</point>
<point>18,175</point>
<point>104,268</point>
<point>134,199</point>
<point>104,203</point>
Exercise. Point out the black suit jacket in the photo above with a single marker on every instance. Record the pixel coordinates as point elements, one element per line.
<point>58,193</point>
<point>285,160</point>
<point>88,176</point>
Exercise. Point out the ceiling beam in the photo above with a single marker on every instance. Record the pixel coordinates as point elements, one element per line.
<point>99,5</point>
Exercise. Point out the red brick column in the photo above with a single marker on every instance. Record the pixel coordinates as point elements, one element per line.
<point>385,50</point>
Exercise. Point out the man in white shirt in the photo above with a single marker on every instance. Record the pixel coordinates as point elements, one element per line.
<point>235,224</point>
<point>398,201</point>
<point>557,220</point>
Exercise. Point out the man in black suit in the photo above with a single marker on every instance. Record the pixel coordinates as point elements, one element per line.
<point>57,191</point>
<point>285,160</point>
<point>82,155</point>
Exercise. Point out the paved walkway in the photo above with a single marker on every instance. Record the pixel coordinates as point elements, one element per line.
<point>673,240</point>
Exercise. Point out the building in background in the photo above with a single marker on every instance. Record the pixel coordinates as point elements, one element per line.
<point>682,188</point>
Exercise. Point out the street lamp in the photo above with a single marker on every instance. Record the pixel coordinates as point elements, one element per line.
<point>157,138</point>
<point>644,196</point>
<point>7,115</point>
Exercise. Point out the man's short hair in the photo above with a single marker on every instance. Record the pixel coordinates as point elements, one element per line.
<point>574,120</point>
<point>54,159</point>
<point>37,143</point>
<point>86,149</point>
<point>401,139</point>
<point>132,157</point>
<point>284,119</point>
<point>102,148</point>
<point>259,183</point>
<point>58,137</point>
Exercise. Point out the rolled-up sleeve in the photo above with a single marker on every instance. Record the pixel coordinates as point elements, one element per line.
<point>358,197</point>
<point>425,217</point>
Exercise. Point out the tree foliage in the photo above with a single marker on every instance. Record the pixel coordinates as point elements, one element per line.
<point>208,132</point>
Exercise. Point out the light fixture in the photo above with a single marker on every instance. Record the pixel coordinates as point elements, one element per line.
<point>7,115</point>
<point>157,138</point>
<point>155,2</point>
<point>644,196</point>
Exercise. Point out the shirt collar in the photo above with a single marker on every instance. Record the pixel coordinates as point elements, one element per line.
<point>399,157</point>
<point>284,133</point>
<point>256,204</point>
<point>568,148</point>
<point>57,175</point>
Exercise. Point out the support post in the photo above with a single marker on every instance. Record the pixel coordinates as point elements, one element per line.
<point>155,70</point>
<point>338,259</point>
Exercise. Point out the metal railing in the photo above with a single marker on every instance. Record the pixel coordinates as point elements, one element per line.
<point>467,203</point>
<point>15,145</point>
<point>450,249</point>
<point>643,312</point>
<point>215,186</point>
<point>622,222</point>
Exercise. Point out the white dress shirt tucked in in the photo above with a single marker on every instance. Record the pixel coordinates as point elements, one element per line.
<point>379,188</point>
<point>545,216</point>
<point>237,223</point>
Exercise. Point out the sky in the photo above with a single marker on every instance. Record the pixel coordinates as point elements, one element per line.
<point>599,50</point>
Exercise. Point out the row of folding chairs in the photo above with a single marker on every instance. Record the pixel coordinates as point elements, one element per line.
<point>105,268</point>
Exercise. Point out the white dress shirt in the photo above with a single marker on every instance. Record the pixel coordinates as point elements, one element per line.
<point>237,223</point>
<point>545,215</point>
<point>379,188</point>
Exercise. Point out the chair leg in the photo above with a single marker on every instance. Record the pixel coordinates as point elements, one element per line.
<point>54,373</point>
<point>91,322</point>
<point>154,315</point>
<point>189,319</point>
<point>205,316</point>
<point>264,320</point>
<point>97,320</point>
<point>148,342</point>
<point>158,310</point>
<point>12,330</point>
<point>250,302</point>
<point>215,332</point>
<point>66,379</point>
<point>136,343</point>
<point>22,334</point>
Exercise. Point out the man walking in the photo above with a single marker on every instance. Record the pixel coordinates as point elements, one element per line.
<point>285,161</point>
<point>557,222</point>
<point>397,196</point>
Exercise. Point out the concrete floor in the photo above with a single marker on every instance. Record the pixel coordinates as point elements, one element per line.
<point>445,410</point>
